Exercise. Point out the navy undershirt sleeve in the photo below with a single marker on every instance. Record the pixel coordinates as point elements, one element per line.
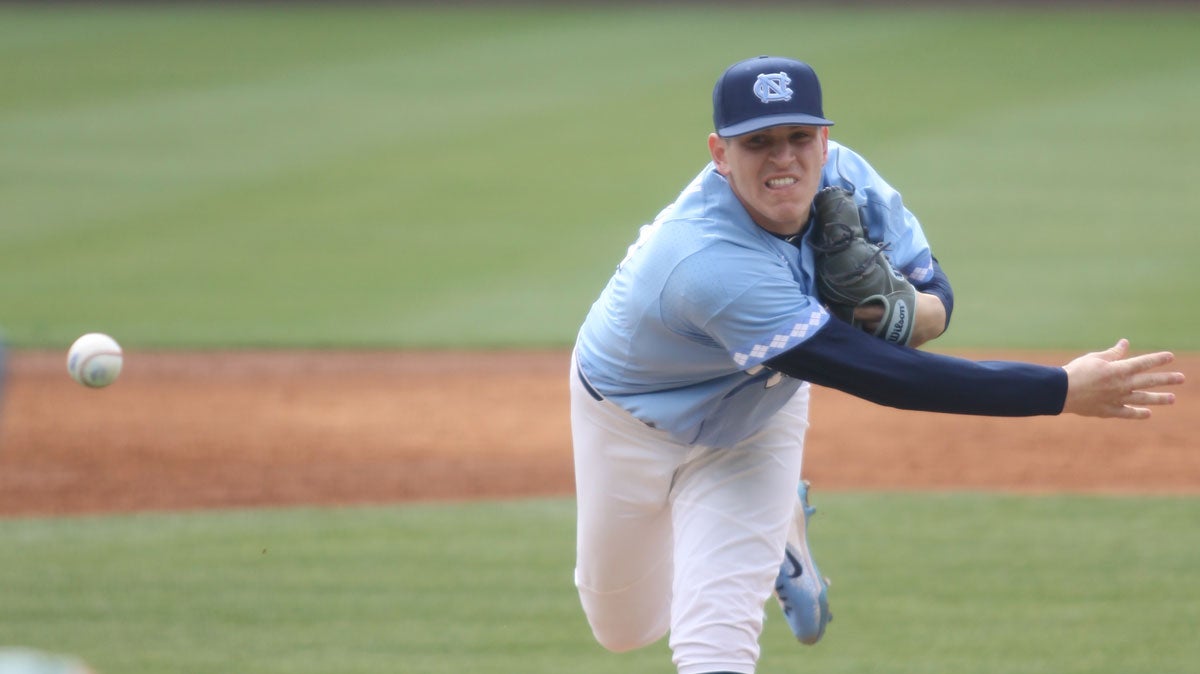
<point>939,286</point>
<point>848,359</point>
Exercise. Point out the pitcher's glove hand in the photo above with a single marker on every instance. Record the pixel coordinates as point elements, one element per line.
<point>854,272</point>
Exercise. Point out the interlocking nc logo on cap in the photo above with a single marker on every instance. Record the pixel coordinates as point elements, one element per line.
<point>766,91</point>
<point>773,87</point>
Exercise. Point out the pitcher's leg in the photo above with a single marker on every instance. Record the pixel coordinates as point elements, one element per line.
<point>623,571</point>
<point>732,510</point>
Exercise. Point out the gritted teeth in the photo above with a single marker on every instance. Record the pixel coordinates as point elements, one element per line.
<point>781,182</point>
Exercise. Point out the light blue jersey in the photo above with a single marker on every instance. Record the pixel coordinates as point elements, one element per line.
<point>704,296</point>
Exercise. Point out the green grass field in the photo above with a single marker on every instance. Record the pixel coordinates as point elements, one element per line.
<point>418,177</point>
<point>187,176</point>
<point>923,584</point>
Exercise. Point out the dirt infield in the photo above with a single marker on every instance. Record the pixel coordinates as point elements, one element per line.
<point>238,429</point>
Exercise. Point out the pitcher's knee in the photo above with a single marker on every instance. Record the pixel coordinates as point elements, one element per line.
<point>634,616</point>
<point>620,622</point>
<point>622,638</point>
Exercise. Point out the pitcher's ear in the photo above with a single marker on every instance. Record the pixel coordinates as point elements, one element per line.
<point>716,148</point>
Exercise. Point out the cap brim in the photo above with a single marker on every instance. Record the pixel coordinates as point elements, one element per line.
<point>767,121</point>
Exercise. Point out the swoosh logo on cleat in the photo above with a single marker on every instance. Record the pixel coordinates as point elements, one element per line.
<point>797,570</point>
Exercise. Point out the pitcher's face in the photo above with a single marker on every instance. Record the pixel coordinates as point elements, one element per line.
<point>774,172</point>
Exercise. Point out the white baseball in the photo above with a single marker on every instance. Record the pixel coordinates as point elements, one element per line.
<point>95,360</point>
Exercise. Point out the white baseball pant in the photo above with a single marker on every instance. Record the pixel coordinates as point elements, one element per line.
<point>680,538</point>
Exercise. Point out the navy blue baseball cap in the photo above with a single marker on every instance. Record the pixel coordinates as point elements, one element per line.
<point>766,91</point>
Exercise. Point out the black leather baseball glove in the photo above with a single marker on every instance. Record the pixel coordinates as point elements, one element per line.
<point>853,272</point>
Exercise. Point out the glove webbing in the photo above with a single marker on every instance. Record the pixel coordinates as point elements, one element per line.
<point>842,243</point>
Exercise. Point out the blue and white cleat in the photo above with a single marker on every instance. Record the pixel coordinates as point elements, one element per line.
<point>800,588</point>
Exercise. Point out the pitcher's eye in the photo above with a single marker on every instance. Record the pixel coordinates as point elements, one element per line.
<point>755,141</point>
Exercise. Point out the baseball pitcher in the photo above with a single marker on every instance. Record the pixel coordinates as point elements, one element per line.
<point>787,260</point>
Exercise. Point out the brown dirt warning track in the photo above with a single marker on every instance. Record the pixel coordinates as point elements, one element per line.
<point>181,431</point>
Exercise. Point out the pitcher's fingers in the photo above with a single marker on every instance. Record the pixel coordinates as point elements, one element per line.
<point>1128,412</point>
<point>1115,352</point>
<point>1149,380</point>
<point>1149,398</point>
<point>1148,361</point>
<point>1120,349</point>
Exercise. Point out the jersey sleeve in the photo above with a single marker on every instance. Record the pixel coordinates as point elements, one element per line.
<point>848,359</point>
<point>742,302</point>
<point>883,212</point>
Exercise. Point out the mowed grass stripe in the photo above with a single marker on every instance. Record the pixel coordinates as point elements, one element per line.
<point>186,176</point>
<point>940,583</point>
